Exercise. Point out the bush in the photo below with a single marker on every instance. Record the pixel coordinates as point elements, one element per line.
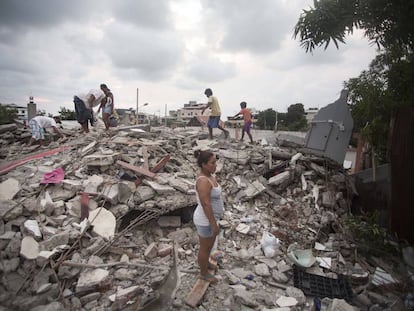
<point>7,114</point>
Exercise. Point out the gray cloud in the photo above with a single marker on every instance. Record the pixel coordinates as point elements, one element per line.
<point>253,26</point>
<point>152,55</point>
<point>244,50</point>
<point>148,14</point>
<point>209,69</point>
<point>22,14</point>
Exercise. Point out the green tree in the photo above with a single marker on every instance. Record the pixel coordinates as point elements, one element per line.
<point>295,118</point>
<point>387,85</point>
<point>385,23</point>
<point>371,106</point>
<point>67,114</point>
<point>266,119</point>
<point>7,114</point>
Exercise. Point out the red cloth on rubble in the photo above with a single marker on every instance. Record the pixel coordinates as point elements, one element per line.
<point>53,177</point>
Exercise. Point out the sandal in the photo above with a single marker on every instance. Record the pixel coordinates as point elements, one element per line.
<point>208,278</point>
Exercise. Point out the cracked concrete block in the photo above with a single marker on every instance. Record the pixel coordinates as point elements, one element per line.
<point>91,278</point>
<point>92,184</point>
<point>180,184</point>
<point>296,293</point>
<point>253,190</point>
<point>32,227</point>
<point>110,193</point>
<point>125,294</point>
<point>238,156</point>
<point>279,179</point>
<point>151,251</point>
<point>180,235</point>
<point>169,221</point>
<point>261,269</point>
<point>10,209</point>
<point>29,248</point>
<point>143,193</point>
<point>284,301</point>
<point>9,188</point>
<point>164,250</point>
<point>7,266</point>
<point>88,148</point>
<point>245,298</point>
<point>103,222</point>
<point>161,189</point>
<point>72,184</point>
<point>54,241</point>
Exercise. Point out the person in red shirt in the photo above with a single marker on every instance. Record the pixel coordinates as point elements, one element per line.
<point>247,117</point>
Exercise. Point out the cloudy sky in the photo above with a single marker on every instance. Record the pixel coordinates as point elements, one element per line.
<point>171,50</point>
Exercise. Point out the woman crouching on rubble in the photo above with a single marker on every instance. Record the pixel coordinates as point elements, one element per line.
<point>209,209</point>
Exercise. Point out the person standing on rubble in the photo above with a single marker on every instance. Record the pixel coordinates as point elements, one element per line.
<point>214,118</point>
<point>107,105</point>
<point>209,209</point>
<point>38,124</point>
<point>84,104</point>
<point>247,117</point>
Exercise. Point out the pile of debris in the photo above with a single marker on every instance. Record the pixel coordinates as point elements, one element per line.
<point>103,222</point>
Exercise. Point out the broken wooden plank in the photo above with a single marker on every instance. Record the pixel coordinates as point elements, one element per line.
<point>84,206</point>
<point>136,169</point>
<point>196,294</point>
<point>155,169</point>
<point>160,164</point>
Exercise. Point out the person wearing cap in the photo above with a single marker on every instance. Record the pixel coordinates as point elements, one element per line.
<point>214,118</point>
<point>84,104</point>
<point>38,125</point>
<point>107,105</point>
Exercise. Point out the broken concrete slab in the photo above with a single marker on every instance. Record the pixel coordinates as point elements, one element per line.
<point>9,188</point>
<point>169,221</point>
<point>289,213</point>
<point>91,279</point>
<point>103,222</point>
<point>29,248</point>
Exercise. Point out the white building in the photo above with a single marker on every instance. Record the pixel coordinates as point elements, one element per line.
<point>21,111</point>
<point>190,110</point>
<point>310,113</point>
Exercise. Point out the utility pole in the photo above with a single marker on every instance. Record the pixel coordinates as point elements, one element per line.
<point>165,115</point>
<point>136,121</point>
<point>276,122</point>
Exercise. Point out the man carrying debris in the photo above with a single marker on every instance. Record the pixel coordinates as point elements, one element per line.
<point>214,118</point>
<point>247,117</point>
<point>84,104</point>
<point>38,125</point>
<point>107,105</point>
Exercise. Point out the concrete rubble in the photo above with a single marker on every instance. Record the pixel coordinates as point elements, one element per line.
<point>116,232</point>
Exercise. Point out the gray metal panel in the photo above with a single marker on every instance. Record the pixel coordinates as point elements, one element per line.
<point>319,136</point>
<point>331,130</point>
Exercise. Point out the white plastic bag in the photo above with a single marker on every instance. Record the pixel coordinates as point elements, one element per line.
<point>269,244</point>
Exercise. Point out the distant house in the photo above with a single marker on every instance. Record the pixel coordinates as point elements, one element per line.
<point>21,110</point>
<point>310,114</point>
<point>191,110</point>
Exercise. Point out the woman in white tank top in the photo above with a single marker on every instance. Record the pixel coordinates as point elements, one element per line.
<point>209,209</point>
